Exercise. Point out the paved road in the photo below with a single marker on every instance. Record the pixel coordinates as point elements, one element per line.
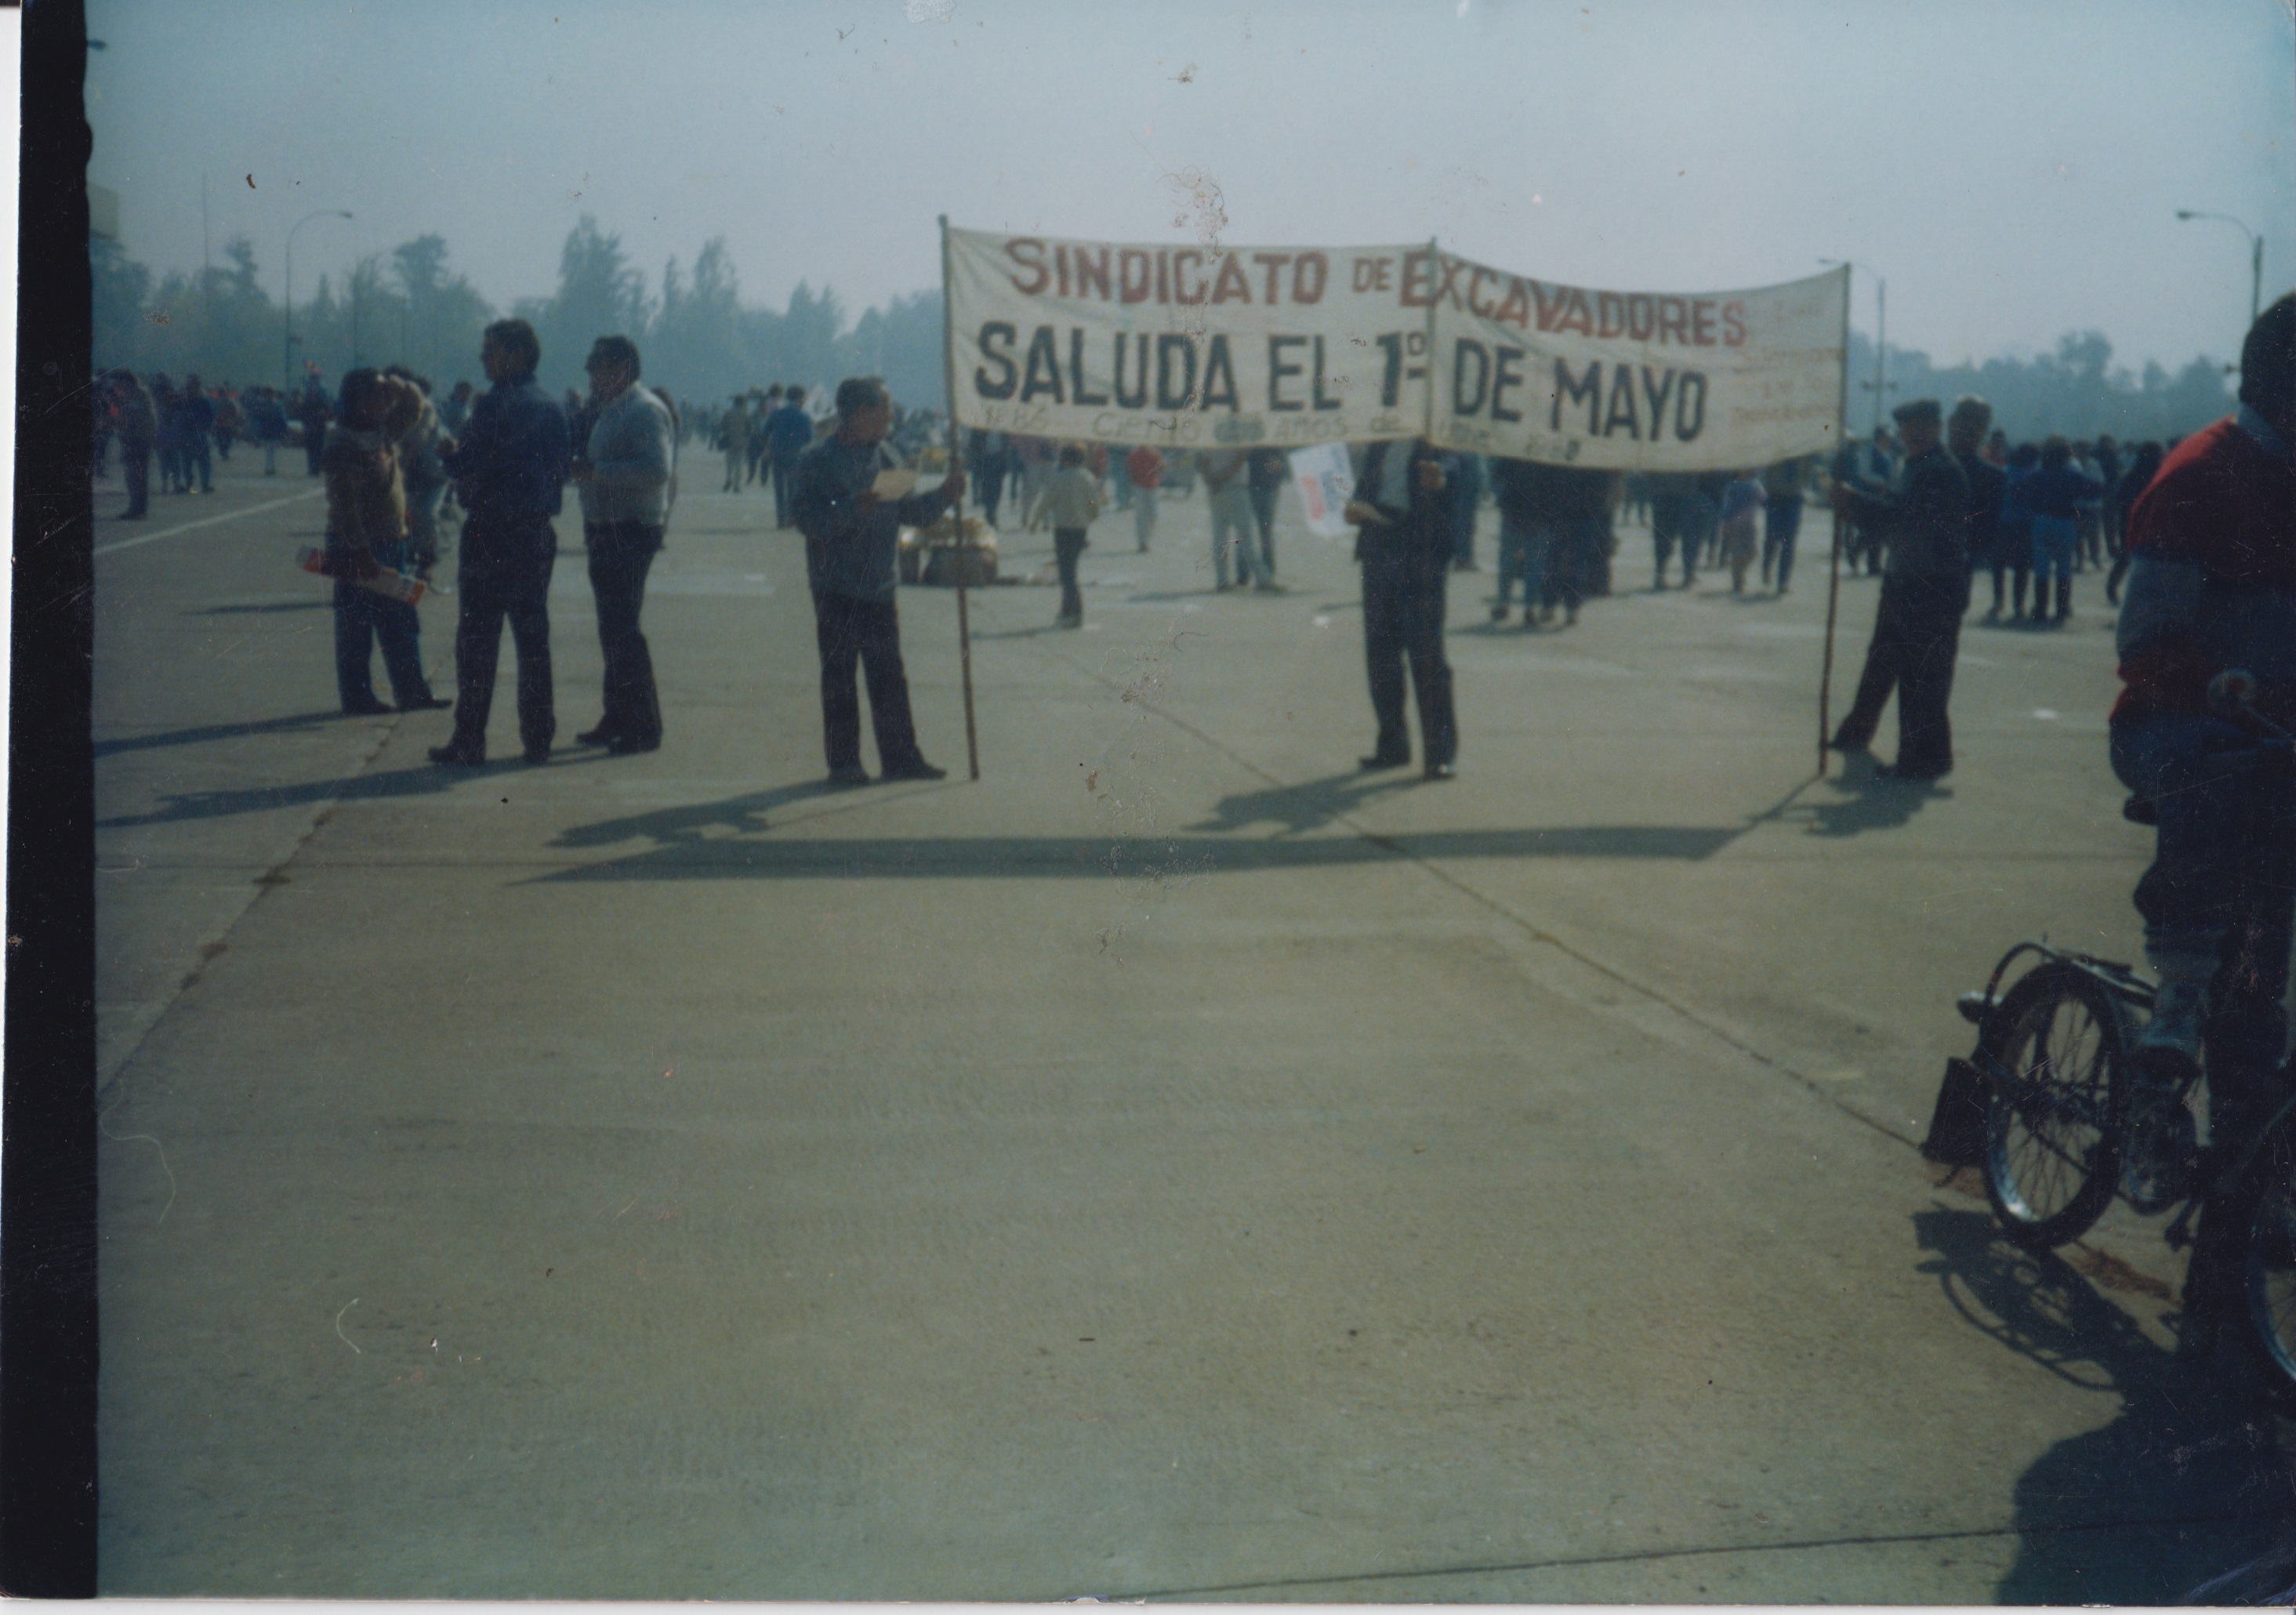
<point>1175,1164</point>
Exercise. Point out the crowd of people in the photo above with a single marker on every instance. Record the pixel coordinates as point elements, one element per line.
<point>2033,516</point>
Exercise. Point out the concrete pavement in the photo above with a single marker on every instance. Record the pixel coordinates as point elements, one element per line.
<point>1175,1164</point>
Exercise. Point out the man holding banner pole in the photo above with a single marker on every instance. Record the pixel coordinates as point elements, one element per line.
<point>845,500</point>
<point>1922,517</point>
<point>1402,516</point>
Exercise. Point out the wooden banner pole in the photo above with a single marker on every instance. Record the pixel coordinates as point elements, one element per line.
<point>957,515</point>
<point>1834,581</point>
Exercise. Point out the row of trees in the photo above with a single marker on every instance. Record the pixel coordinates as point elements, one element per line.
<point>701,342</point>
<point>409,306</point>
<point>2077,390</point>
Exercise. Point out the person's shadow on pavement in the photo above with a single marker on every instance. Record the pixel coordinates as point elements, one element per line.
<point>1311,805</point>
<point>1867,800</point>
<point>2183,1487</point>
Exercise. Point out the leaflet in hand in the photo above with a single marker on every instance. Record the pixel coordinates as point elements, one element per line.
<point>381,580</point>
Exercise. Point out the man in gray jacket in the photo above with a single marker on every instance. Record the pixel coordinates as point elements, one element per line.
<point>623,474</point>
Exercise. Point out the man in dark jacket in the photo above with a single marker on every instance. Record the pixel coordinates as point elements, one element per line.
<point>1964,440</point>
<point>1922,517</point>
<point>510,468</point>
<point>1402,517</point>
<point>852,536</point>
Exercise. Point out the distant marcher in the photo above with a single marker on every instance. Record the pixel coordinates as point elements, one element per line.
<point>167,404</point>
<point>734,428</point>
<point>1579,539</point>
<point>2109,465</point>
<point>1523,529</point>
<point>788,433</point>
<point>196,432</point>
<point>1226,486</point>
<point>267,417</point>
<point>1921,519</point>
<point>761,463</point>
<point>1466,495</point>
<point>1740,513</point>
<point>988,456</point>
<point>1784,485</point>
<point>1145,468</point>
<point>2054,495</point>
<point>422,471</point>
<point>139,428</point>
<point>1401,512</point>
<point>851,542</point>
<point>510,469</point>
<point>2144,465</point>
<point>2012,534</point>
<point>1673,524</point>
<point>227,421</point>
<point>1269,471</point>
<point>311,410</point>
<point>1964,436</point>
<point>1071,502</point>
<point>623,475</point>
<point>366,529</point>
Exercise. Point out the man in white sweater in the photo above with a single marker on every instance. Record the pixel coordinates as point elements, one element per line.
<point>623,472</point>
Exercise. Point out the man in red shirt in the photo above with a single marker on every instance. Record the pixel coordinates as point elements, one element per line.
<point>2209,617</point>
<point>1145,467</point>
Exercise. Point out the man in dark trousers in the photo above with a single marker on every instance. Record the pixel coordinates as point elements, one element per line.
<point>1922,517</point>
<point>1964,440</point>
<point>509,469</point>
<point>1403,520</point>
<point>788,433</point>
<point>623,474</point>
<point>851,535</point>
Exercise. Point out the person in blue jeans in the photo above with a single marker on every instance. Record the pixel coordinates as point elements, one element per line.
<point>2053,496</point>
<point>788,433</point>
<point>1783,486</point>
<point>1523,538</point>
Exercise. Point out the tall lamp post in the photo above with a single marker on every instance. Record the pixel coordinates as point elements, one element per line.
<point>2255,257</point>
<point>287,340</point>
<point>1880,332</point>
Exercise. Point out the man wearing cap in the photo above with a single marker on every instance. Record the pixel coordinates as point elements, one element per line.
<point>851,539</point>
<point>1922,517</point>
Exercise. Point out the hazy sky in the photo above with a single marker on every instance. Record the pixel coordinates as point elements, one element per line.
<point>2013,168</point>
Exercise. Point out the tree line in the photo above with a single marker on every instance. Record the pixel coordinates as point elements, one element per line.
<point>410,306</point>
<point>2077,390</point>
<point>701,342</point>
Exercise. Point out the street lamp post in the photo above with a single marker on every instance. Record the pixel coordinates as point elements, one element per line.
<point>287,337</point>
<point>1880,332</point>
<point>2255,257</point>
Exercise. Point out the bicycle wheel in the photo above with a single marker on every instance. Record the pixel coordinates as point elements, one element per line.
<point>2268,1217</point>
<point>2058,1114</point>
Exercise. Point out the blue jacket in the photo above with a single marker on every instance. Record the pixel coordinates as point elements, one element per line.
<point>789,432</point>
<point>2054,493</point>
<point>511,463</point>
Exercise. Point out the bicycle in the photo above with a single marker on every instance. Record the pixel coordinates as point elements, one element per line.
<point>2051,1108</point>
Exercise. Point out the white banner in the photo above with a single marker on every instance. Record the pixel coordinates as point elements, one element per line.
<point>1188,347</point>
<point>1632,381</point>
